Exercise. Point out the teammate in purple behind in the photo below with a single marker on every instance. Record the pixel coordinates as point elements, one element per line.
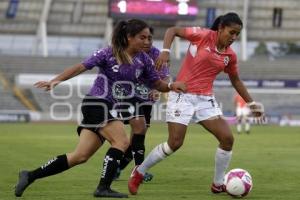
<point>137,113</point>
<point>120,67</point>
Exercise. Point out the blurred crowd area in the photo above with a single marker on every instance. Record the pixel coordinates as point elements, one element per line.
<point>39,38</point>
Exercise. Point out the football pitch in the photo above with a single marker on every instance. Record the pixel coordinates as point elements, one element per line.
<point>270,153</point>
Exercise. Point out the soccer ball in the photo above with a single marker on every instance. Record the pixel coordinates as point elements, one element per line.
<point>238,182</point>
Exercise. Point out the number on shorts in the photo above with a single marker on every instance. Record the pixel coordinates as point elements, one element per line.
<point>212,102</point>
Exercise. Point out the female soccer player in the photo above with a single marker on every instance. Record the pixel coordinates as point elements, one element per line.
<point>120,67</point>
<point>140,117</point>
<point>209,54</point>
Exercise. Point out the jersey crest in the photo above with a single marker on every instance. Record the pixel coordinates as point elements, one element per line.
<point>226,60</point>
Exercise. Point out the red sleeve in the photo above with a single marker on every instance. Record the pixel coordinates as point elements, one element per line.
<point>194,34</point>
<point>232,67</point>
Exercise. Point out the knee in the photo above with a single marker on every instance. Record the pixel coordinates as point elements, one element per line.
<point>227,142</point>
<point>125,144</point>
<point>175,144</point>
<point>121,144</point>
<point>141,129</point>
<point>79,158</point>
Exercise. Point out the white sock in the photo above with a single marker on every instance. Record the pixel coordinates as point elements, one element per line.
<point>222,160</point>
<point>157,154</point>
<point>239,127</point>
<point>247,126</point>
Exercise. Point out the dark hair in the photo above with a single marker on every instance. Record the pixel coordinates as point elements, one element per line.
<point>226,20</point>
<point>119,38</point>
<point>151,30</point>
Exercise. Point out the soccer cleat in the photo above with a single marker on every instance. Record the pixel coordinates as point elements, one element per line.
<point>134,181</point>
<point>147,177</point>
<point>218,189</point>
<point>109,193</point>
<point>22,184</point>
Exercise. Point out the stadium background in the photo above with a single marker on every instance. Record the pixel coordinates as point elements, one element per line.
<point>39,38</point>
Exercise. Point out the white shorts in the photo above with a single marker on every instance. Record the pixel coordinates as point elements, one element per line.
<point>184,108</point>
<point>242,111</point>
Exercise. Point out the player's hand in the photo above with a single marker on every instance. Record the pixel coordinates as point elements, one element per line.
<point>46,85</point>
<point>163,59</point>
<point>178,87</point>
<point>257,112</point>
<point>154,95</point>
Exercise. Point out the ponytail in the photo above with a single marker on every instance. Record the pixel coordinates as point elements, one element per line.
<point>119,43</point>
<point>226,20</point>
<point>216,23</point>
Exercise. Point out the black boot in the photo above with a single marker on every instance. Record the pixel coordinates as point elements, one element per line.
<point>108,193</point>
<point>23,183</point>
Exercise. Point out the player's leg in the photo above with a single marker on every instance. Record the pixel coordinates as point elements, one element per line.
<point>88,144</point>
<point>239,120</point>
<point>136,149</point>
<point>175,140</point>
<point>220,129</point>
<point>136,118</point>
<point>247,125</point>
<point>114,133</point>
<point>138,127</point>
<point>246,119</point>
<point>178,115</point>
<point>147,110</point>
<point>159,153</point>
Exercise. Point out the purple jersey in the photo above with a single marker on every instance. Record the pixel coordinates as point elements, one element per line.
<point>116,81</point>
<point>142,89</point>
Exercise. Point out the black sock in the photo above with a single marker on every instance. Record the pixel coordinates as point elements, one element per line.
<point>127,158</point>
<point>138,148</point>
<point>53,166</point>
<point>110,164</point>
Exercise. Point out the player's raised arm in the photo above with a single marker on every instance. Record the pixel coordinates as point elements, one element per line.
<point>170,34</point>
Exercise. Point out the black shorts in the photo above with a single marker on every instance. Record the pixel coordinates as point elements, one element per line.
<point>96,114</point>
<point>133,108</point>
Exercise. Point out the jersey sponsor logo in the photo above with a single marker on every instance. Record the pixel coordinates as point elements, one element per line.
<point>226,60</point>
<point>142,91</point>
<point>115,68</point>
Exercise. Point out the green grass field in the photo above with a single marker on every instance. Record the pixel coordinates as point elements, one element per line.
<point>271,154</point>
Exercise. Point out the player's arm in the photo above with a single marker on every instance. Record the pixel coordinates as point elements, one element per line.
<point>239,86</point>
<point>164,86</point>
<point>170,34</point>
<point>65,75</point>
<point>155,94</point>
